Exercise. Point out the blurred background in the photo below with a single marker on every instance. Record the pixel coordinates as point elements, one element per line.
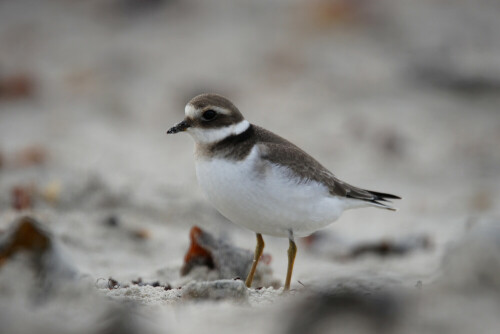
<point>397,96</point>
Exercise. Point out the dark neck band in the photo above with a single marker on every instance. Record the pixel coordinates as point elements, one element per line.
<point>236,139</point>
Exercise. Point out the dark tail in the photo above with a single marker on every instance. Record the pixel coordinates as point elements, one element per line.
<point>379,199</point>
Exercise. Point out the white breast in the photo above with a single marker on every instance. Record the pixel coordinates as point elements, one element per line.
<point>265,197</point>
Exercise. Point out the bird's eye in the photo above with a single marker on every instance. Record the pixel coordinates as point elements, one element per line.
<point>209,115</point>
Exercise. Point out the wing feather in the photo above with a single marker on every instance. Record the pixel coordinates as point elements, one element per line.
<point>278,150</point>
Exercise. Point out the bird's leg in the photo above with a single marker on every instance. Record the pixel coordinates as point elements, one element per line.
<point>292,250</point>
<point>258,253</point>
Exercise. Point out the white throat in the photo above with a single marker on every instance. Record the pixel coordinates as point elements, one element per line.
<point>209,136</point>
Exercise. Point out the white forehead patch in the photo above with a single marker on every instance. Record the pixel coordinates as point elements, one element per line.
<point>191,112</point>
<point>209,136</point>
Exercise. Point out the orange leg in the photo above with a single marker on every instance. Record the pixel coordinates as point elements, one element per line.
<point>258,253</point>
<point>292,251</point>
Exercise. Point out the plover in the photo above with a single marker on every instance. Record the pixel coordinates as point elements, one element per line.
<point>263,182</point>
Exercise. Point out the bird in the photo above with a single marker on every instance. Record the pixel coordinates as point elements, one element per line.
<point>263,182</point>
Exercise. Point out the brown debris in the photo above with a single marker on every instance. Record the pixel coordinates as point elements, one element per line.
<point>223,260</point>
<point>22,197</point>
<point>326,13</point>
<point>141,234</point>
<point>16,87</point>
<point>196,254</point>
<point>31,156</point>
<point>137,233</point>
<point>26,236</point>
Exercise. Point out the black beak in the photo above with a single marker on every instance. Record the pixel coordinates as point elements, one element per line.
<point>179,127</point>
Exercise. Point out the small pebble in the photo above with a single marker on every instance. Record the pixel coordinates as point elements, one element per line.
<point>113,284</point>
<point>112,221</point>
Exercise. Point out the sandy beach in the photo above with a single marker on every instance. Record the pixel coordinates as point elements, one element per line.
<point>394,96</point>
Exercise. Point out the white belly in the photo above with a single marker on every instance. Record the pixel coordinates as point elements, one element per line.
<point>263,198</point>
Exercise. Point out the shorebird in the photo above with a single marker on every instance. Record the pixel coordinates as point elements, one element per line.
<point>263,182</point>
